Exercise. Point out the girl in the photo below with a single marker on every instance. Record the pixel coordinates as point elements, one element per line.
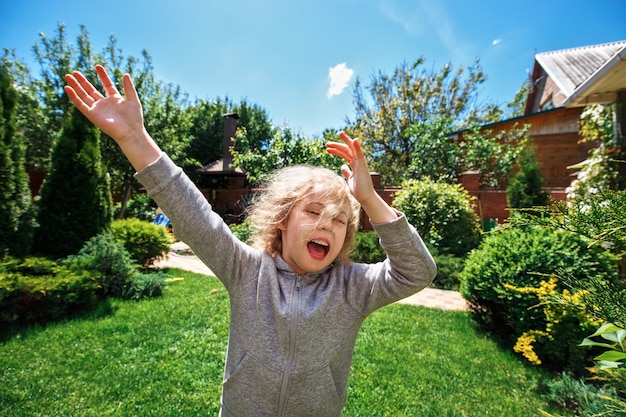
<point>296,301</point>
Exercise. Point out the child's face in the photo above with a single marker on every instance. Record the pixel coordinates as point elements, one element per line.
<point>312,239</point>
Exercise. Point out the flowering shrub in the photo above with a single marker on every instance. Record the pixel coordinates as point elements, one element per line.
<point>557,345</point>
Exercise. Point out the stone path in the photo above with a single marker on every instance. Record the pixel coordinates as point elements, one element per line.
<point>182,258</point>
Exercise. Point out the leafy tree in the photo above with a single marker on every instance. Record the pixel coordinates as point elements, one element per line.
<point>75,202</point>
<point>492,154</point>
<point>411,96</point>
<point>207,130</point>
<point>285,148</point>
<point>434,156</point>
<point>16,210</point>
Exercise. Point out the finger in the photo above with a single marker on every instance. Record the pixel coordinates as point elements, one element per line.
<point>85,89</point>
<point>130,92</point>
<point>345,170</point>
<point>76,99</point>
<point>340,150</point>
<point>107,84</point>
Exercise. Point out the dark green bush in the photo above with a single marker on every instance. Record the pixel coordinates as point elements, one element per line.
<point>144,285</point>
<point>523,257</point>
<point>40,290</point>
<point>442,214</point>
<point>449,268</point>
<point>146,242</point>
<point>367,248</point>
<point>105,256</point>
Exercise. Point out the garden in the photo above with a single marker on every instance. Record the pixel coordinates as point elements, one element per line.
<point>89,327</point>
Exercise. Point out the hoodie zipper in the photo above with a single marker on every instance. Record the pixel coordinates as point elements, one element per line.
<point>291,355</point>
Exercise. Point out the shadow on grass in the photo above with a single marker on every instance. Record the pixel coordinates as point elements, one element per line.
<point>100,309</point>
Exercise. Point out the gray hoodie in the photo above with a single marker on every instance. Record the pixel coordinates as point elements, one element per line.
<point>291,336</point>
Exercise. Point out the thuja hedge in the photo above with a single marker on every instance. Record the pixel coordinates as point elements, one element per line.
<point>40,290</point>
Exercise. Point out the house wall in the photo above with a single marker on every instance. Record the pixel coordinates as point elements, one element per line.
<point>555,136</point>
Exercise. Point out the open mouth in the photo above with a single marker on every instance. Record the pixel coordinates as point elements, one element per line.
<point>318,249</point>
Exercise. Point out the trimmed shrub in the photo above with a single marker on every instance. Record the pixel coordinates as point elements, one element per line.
<point>40,290</point>
<point>145,242</point>
<point>522,257</point>
<point>106,257</point>
<point>442,214</point>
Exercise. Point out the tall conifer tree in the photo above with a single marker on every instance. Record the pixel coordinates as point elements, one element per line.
<point>75,202</point>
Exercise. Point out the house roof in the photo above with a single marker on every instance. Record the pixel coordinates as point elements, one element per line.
<point>587,75</point>
<point>218,168</point>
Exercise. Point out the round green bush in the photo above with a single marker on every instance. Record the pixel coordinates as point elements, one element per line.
<point>442,213</point>
<point>146,242</point>
<point>105,256</point>
<point>523,257</point>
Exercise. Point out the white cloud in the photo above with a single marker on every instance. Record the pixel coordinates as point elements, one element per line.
<point>339,77</point>
<point>496,41</point>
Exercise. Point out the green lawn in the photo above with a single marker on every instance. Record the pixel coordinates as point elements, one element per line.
<point>164,357</point>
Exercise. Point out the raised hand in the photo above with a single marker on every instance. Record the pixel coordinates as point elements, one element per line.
<point>355,171</point>
<point>118,116</point>
<point>359,180</point>
<point>114,115</point>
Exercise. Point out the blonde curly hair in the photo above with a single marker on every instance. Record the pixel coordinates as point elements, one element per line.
<point>272,205</point>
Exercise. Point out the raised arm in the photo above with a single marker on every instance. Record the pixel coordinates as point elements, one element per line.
<point>359,179</point>
<point>118,116</point>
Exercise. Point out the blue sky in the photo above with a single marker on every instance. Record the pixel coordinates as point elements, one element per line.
<point>280,54</point>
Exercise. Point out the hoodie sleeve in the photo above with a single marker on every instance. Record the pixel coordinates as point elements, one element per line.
<point>193,218</point>
<point>408,269</point>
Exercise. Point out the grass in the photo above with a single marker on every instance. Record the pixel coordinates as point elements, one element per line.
<point>165,357</point>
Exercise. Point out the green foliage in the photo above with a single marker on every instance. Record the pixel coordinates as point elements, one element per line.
<point>242,231</point>
<point>521,257</point>
<point>493,155</point>
<point>145,242</point>
<point>367,248</point>
<point>413,95</point>
<point>285,148</point>
<point>75,202</point>
<point>139,207</point>
<point>16,209</point>
<point>107,259</point>
<point>525,188</point>
<point>574,395</point>
<point>600,218</point>
<point>605,168</point>
<point>207,129</point>
<point>39,290</point>
<point>449,268</point>
<point>442,214</point>
<point>434,156</point>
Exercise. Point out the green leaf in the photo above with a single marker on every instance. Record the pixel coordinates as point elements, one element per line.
<point>589,342</point>
<point>606,328</point>
<point>611,355</point>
